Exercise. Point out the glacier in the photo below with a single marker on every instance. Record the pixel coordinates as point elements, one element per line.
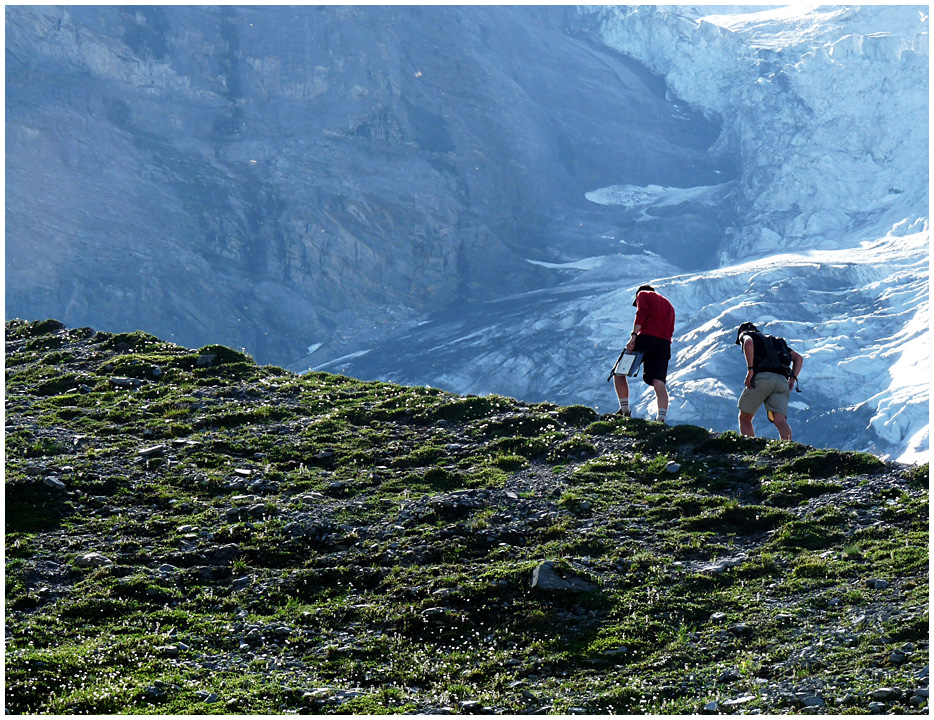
<point>827,107</point>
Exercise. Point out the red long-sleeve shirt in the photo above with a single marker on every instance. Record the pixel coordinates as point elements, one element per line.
<point>655,314</point>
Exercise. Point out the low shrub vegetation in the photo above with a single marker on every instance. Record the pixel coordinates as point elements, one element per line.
<point>188,532</point>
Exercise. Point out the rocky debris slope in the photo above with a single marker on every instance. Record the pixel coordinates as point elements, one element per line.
<point>187,531</point>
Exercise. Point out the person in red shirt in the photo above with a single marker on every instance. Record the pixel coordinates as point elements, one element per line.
<point>651,333</point>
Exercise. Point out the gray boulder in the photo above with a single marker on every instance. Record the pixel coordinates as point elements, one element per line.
<point>547,578</point>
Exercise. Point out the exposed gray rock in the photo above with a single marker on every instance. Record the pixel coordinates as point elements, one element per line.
<point>885,693</point>
<point>736,702</point>
<point>729,675</point>
<point>154,451</point>
<point>547,579</point>
<point>721,566</point>
<point>53,482</point>
<point>94,559</point>
<point>126,383</point>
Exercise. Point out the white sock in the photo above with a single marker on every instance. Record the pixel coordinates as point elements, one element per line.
<point>624,404</point>
<point>662,414</point>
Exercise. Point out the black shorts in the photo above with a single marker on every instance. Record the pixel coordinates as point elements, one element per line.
<point>656,352</point>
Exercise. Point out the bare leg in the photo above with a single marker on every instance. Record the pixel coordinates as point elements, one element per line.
<point>661,400</point>
<point>622,392</point>
<point>781,422</point>
<point>745,424</point>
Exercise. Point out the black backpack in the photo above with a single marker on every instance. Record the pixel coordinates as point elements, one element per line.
<point>777,355</point>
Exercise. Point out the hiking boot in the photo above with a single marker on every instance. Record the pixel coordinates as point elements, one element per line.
<point>623,413</point>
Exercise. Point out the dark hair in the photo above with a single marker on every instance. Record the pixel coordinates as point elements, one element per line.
<point>746,327</point>
<point>641,288</point>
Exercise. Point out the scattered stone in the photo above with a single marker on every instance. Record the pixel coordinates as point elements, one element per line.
<point>877,584</point>
<point>876,708</point>
<point>729,675</point>
<point>711,708</point>
<point>154,693</point>
<point>242,582</point>
<point>812,701</point>
<point>54,483</point>
<point>724,564</point>
<point>153,451</point>
<point>884,693</point>
<point>547,579</point>
<point>126,383</point>
<point>94,559</point>
<point>205,360</point>
<point>672,467</point>
<point>738,701</point>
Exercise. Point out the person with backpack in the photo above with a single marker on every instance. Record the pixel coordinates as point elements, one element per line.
<point>651,335</point>
<point>771,372</point>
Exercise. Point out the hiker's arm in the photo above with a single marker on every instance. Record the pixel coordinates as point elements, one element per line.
<point>749,351</point>
<point>632,338</point>
<point>796,362</point>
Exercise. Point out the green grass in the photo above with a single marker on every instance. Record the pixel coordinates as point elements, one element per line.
<point>393,601</point>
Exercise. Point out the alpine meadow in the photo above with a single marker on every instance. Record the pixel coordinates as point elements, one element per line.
<point>309,312</point>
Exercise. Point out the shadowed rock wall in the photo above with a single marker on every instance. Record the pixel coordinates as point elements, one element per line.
<point>273,178</point>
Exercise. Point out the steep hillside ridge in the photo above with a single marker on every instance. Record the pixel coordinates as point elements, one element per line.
<point>188,531</point>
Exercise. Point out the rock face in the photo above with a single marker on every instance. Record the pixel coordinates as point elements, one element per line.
<point>277,178</point>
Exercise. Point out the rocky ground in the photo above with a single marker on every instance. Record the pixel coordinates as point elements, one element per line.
<point>188,532</point>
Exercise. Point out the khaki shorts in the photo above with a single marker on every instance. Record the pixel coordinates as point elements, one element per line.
<point>771,389</point>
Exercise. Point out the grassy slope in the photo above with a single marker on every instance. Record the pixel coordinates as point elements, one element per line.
<point>318,543</point>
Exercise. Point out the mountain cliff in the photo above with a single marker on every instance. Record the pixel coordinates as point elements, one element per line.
<point>278,178</point>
